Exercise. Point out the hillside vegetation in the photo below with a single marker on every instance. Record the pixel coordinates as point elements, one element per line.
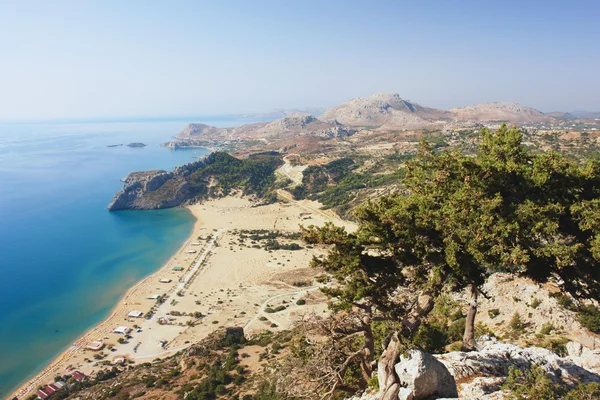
<point>412,276</point>
<point>218,174</point>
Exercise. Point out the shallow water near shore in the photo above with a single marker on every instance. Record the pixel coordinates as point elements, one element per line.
<point>64,259</point>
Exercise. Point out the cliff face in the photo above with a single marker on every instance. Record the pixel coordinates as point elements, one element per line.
<point>215,175</point>
<point>157,189</point>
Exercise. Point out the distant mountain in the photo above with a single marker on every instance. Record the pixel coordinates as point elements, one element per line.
<point>384,110</point>
<point>381,112</point>
<point>196,130</point>
<point>586,114</point>
<point>287,127</point>
<point>280,113</point>
<point>496,111</point>
<point>561,115</point>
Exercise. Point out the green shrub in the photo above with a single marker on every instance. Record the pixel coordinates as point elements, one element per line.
<point>431,338</point>
<point>301,283</point>
<point>493,313</point>
<point>271,310</point>
<point>516,324</point>
<point>547,328</point>
<point>373,383</point>
<point>266,390</point>
<point>456,330</point>
<point>483,329</point>
<point>589,317</point>
<point>563,300</point>
<point>556,345</point>
<point>591,391</point>
<point>536,303</point>
<point>531,384</point>
<point>300,302</point>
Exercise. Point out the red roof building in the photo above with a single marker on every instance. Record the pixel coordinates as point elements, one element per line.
<point>78,376</point>
<point>46,392</point>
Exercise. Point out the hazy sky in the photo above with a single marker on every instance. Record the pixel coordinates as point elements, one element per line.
<point>120,58</point>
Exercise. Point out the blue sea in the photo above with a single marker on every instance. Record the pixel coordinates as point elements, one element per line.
<point>64,259</point>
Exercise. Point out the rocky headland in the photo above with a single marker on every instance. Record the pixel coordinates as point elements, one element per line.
<point>214,175</point>
<point>150,190</point>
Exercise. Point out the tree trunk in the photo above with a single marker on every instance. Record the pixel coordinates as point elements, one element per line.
<point>369,346</point>
<point>362,356</point>
<point>469,336</point>
<point>386,374</point>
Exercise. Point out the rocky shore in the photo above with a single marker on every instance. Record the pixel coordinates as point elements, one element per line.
<point>149,190</point>
<point>215,175</point>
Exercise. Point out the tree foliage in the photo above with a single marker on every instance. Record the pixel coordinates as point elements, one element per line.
<point>462,218</point>
<point>254,175</point>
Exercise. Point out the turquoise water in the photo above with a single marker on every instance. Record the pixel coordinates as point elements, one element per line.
<point>64,259</point>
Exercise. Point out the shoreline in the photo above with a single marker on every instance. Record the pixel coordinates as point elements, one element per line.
<point>219,277</point>
<point>99,330</point>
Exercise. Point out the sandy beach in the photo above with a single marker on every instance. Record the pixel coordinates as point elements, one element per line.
<point>218,278</point>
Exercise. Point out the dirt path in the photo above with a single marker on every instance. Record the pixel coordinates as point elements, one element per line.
<point>261,310</point>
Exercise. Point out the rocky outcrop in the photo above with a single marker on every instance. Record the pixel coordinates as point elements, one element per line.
<point>414,376</point>
<point>136,144</point>
<point>292,122</point>
<point>384,109</point>
<point>482,372</point>
<point>198,131</point>
<point>338,131</point>
<point>536,305</point>
<point>156,189</point>
<point>584,357</point>
<point>421,376</point>
<point>217,174</point>
<point>478,374</point>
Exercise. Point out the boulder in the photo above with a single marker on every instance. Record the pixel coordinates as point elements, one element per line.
<point>584,357</point>
<point>422,376</point>
<point>483,371</point>
<point>480,373</point>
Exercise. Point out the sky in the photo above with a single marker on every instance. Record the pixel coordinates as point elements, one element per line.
<point>81,59</point>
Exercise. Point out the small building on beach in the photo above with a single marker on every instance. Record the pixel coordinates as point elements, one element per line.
<point>135,314</point>
<point>177,268</point>
<point>153,297</point>
<point>49,390</point>
<point>95,346</point>
<point>166,280</point>
<point>122,330</point>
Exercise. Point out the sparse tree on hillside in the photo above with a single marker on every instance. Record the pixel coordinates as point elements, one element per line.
<point>463,218</point>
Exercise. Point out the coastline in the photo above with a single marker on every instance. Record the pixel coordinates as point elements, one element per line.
<point>100,330</point>
<point>221,281</point>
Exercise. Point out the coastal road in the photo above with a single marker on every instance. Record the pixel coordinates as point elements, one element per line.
<point>190,275</point>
